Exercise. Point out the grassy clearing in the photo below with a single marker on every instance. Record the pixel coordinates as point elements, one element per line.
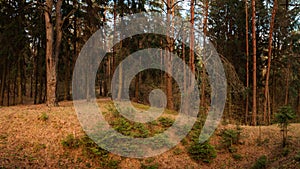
<point>36,137</point>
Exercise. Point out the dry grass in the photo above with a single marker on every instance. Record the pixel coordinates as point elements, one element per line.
<point>29,141</point>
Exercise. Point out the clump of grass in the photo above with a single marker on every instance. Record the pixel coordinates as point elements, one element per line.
<point>285,151</point>
<point>70,142</point>
<point>44,117</point>
<point>153,166</point>
<point>91,149</point>
<point>237,156</point>
<point>166,122</point>
<point>177,151</point>
<point>297,157</point>
<point>261,163</point>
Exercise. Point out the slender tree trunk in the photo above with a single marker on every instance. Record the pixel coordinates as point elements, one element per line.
<point>107,82</point>
<point>169,91</point>
<point>120,82</point>
<point>67,77</point>
<point>298,102</point>
<point>36,77</point>
<point>23,77</point>
<point>37,72</point>
<point>113,59</point>
<point>136,88</point>
<point>3,82</point>
<point>247,62</point>
<point>31,85</point>
<point>287,85</point>
<point>269,108</point>
<point>43,82</point>
<point>74,56</point>
<point>8,91</point>
<point>19,82</point>
<point>203,73</point>
<point>254,109</point>
<point>14,89</point>
<point>192,37</point>
<point>266,92</point>
<point>184,66</point>
<point>273,90</point>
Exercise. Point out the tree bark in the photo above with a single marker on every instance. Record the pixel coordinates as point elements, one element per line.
<point>120,86</point>
<point>169,91</point>
<point>3,82</point>
<point>254,109</point>
<point>266,92</point>
<point>203,74</point>
<point>287,85</point>
<point>298,102</point>
<point>50,60</point>
<point>247,62</point>
<point>184,66</point>
<point>19,82</point>
<point>67,77</point>
<point>192,37</point>
<point>8,90</point>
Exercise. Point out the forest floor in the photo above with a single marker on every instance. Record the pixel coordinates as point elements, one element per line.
<point>35,136</point>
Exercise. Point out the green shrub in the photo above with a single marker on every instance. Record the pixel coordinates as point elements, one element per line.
<point>177,151</point>
<point>155,166</point>
<point>261,163</point>
<point>91,149</point>
<point>113,164</point>
<point>44,117</point>
<point>70,142</point>
<point>284,116</point>
<point>230,137</point>
<point>140,130</point>
<point>237,156</point>
<point>165,122</point>
<point>297,157</point>
<point>123,126</point>
<point>285,151</point>
<point>202,152</point>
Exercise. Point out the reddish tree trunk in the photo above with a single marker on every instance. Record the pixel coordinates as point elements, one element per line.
<point>266,92</point>
<point>203,76</point>
<point>247,62</point>
<point>254,109</point>
<point>169,91</point>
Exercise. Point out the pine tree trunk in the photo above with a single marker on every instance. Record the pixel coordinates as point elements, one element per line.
<point>298,103</point>
<point>50,60</point>
<point>247,62</point>
<point>203,74</point>
<point>266,92</point>
<point>168,59</point>
<point>120,82</point>
<point>67,77</point>
<point>113,59</point>
<point>287,85</point>
<point>254,109</point>
<point>19,82</point>
<point>192,37</point>
<point>36,74</point>
<point>3,81</point>
<point>14,89</point>
<point>8,91</point>
<point>184,66</point>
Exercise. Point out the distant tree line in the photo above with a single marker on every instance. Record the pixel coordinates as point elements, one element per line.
<point>258,42</point>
